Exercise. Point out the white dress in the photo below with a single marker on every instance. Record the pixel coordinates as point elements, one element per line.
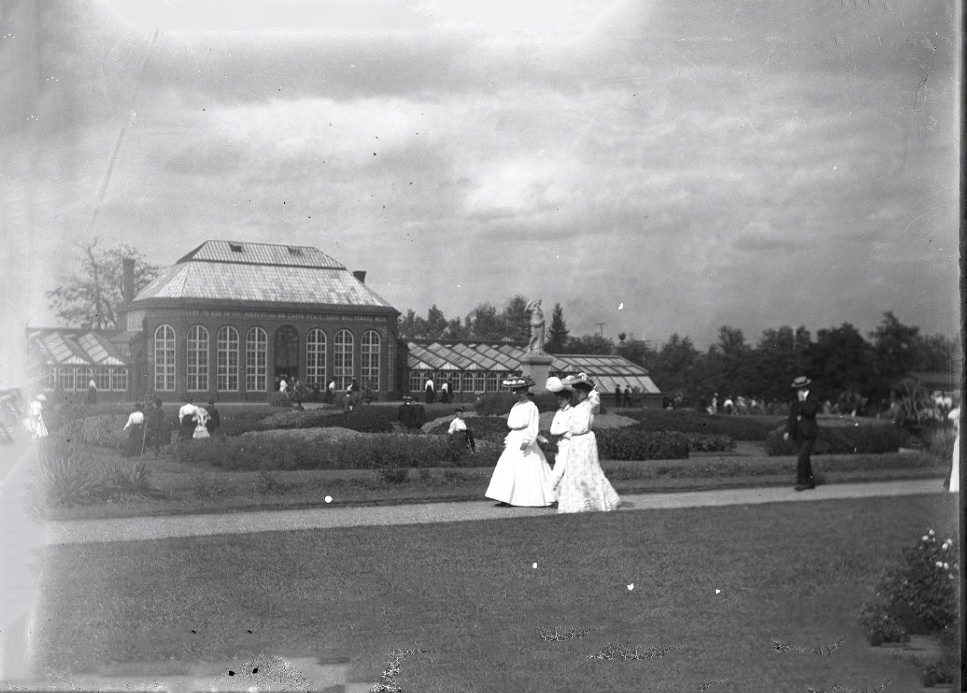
<point>583,487</point>
<point>38,429</point>
<point>954,486</point>
<point>201,418</point>
<point>522,477</point>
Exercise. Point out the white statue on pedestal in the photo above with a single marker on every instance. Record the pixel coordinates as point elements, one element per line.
<point>536,343</point>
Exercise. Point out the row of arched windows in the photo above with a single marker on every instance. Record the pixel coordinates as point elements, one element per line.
<point>229,359</point>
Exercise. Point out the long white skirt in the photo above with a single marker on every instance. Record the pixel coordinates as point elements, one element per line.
<point>583,486</point>
<point>521,477</point>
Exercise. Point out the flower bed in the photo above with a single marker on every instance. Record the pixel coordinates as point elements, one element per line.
<point>105,430</point>
<point>687,421</point>
<point>840,438</point>
<point>332,449</point>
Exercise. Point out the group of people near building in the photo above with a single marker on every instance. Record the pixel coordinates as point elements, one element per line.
<point>150,430</point>
<point>523,476</point>
<point>429,391</point>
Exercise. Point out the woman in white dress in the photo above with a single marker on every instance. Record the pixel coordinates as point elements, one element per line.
<point>37,427</point>
<point>201,419</point>
<point>522,476</point>
<point>581,484</point>
<point>559,426</point>
<point>954,485</point>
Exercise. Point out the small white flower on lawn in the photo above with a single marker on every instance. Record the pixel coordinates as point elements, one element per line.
<point>930,532</point>
<point>534,566</point>
<point>329,499</point>
<point>924,538</point>
<point>718,591</point>
<point>939,564</point>
<point>946,566</point>
<point>631,586</point>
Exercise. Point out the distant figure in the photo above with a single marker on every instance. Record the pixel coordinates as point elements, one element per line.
<point>954,484</point>
<point>91,392</point>
<point>801,427</point>
<point>445,392</point>
<point>201,423</point>
<point>283,387</point>
<point>459,425</point>
<point>618,397</point>
<point>628,401</point>
<point>214,420</point>
<point>728,406</point>
<point>36,425</point>
<point>331,392</point>
<point>136,432</point>
<point>410,415</point>
<point>186,420</point>
<point>429,391</point>
<point>157,429</point>
<point>536,342</point>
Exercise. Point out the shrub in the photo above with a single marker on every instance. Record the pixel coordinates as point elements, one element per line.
<point>105,430</point>
<point>919,595</point>
<point>633,443</point>
<point>939,441</point>
<point>709,442</point>
<point>282,450</point>
<point>859,438</point>
<point>686,421</point>
<point>69,477</point>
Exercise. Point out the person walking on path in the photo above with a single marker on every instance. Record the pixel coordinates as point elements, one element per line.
<point>459,425</point>
<point>954,484</point>
<point>522,476</point>
<point>802,428</point>
<point>186,420</point>
<point>581,484</point>
<point>136,432</point>
<point>157,430</point>
<point>214,420</point>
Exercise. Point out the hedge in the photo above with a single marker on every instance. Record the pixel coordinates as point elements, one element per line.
<point>686,421</point>
<point>633,443</point>
<point>290,450</point>
<point>840,439</point>
<point>500,403</point>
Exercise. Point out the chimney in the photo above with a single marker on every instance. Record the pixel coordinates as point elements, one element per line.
<point>360,275</point>
<point>127,291</point>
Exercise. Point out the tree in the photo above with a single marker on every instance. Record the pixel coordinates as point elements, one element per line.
<point>589,344</point>
<point>935,353</point>
<point>557,333</point>
<point>516,319</point>
<point>779,357</point>
<point>842,361</point>
<point>673,369</point>
<point>485,324</point>
<point>895,345</point>
<point>456,329</point>
<point>93,295</point>
<point>636,350</point>
<point>436,323</point>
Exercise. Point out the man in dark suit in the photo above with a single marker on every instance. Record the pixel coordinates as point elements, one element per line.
<point>802,428</point>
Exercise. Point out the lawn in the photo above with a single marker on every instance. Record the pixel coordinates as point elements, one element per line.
<point>468,597</point>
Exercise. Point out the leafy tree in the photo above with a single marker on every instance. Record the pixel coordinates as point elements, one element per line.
<point>637,351</point>
<point>485,323</point>
<point>436,323</point>
<point>589,344</point>
<point>729,363</point>
<point>516,319</point>
<point>411,325</point>
<point>779,357</point>
<point>935,353</point>
<point>93,294</point>
<point>557,332</point>
<point>842,361</point>
<point>895,345</point>
<point>673,369</point>
<point>456,329</point>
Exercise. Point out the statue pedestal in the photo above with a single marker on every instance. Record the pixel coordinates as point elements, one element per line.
<point>538,366</point>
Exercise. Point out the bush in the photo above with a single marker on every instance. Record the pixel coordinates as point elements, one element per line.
<point>71,477</point>
<point>709,442</point>
<point>633,443</point>
<point>278,399</point>
<point>939,441</point>
<point>917,596</point>
<point>284,450</point>
<point>105,430</point>
<point>685,421</point>
<point>839,439</point>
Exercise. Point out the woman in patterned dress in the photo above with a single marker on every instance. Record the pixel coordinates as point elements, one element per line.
<point>581,483</point>
<point>522,476</point>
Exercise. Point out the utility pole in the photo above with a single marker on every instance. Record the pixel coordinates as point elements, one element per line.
<point>600,328</point>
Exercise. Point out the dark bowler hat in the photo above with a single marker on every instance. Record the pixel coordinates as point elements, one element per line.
<point>801,382</point>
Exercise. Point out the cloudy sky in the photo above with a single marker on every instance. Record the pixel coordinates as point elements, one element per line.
<point>654,165</point>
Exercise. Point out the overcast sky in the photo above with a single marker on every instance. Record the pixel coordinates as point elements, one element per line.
<point>657,166</point>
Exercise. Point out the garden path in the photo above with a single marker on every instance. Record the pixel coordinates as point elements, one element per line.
<point>145,528</point>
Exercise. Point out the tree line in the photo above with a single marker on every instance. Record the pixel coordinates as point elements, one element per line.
<point>843,362</point>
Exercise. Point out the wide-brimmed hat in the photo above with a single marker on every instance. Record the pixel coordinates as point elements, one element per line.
<point>555,385</point>
<point>580,381</point>
<point>519,382</point>
<point>41,397</point>
<point>801,382</point>
<point>407,398</point>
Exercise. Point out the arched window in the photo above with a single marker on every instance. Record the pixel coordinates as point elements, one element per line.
<point>197,368</point>
<point>493,382</point>
<point>226,359</point>
<point>369,368</point>
<point>416,380</point>
<point>164,358</point>
<point>343,354</point>
<point>316,358</point>
<point>255,360</point>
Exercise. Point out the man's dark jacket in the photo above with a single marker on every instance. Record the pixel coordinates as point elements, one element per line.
<point>802,418</point>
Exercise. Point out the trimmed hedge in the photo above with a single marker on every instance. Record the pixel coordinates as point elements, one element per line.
<point>687,421</point>
<point>633,443</point>
<point>500,403</point>
<point>367,451</point>
<point>840,439</point>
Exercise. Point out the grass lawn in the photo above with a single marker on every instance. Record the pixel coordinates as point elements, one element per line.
<point>467,596</point>
<point>195,489</point>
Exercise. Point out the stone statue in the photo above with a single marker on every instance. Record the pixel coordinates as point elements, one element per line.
<point>537,326</point>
